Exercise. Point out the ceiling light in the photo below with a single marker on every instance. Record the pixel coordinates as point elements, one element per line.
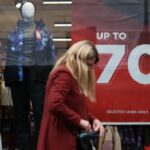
<point>18,3</point>
<point>62,39</point>
<point>62,24</point>
<point>57,2</point>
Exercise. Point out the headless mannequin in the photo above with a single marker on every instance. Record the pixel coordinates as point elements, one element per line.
<point>28,79</point>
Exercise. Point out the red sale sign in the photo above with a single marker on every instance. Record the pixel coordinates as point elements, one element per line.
<point>121,35</point>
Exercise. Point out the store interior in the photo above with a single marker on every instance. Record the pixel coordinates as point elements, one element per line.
<point>53,15</point>
<point>132,137</point>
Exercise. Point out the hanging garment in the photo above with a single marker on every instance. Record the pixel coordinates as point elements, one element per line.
<point>108,140</point>
<point>117,139</point>
<point>101,141</point>
<point>6,99</point>
<point>147,136</point>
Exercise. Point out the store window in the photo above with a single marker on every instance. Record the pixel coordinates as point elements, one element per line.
<point>25,45</point>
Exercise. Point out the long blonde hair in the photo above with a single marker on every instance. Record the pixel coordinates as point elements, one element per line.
<point>75,60</point>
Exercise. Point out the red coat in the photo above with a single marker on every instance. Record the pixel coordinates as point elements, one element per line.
<point>64,107</point>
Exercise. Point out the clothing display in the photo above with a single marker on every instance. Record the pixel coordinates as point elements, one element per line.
<point>147,136</point>
<point>108,140</point>
<point>30,58</point>
<point>6,99</point>
<point>35,51</point>
<point>7,127</point>
<point>125,137</point>
<point>117,139</point>
<point>132,137</point>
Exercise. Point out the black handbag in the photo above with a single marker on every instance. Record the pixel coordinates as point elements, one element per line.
<point>88,141</point>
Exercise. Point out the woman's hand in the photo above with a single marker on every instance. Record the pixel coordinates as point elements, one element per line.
<point>97,126</point>
<point>85,125</point>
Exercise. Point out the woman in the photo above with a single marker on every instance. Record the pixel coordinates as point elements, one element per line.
<point>65,110</point>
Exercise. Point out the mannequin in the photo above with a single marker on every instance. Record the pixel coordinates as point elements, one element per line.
<point>28,11</point>
<point>30,57</point>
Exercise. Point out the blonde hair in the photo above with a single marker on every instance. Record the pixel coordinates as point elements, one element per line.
<point>75,60</point>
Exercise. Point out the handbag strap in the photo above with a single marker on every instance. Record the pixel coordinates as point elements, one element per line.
<point>93,147</point>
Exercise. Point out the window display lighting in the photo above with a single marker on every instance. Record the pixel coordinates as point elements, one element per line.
<point>62,24</point>
<point>18,3</point>
<point>62,39</point>
<point>57,2</point>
